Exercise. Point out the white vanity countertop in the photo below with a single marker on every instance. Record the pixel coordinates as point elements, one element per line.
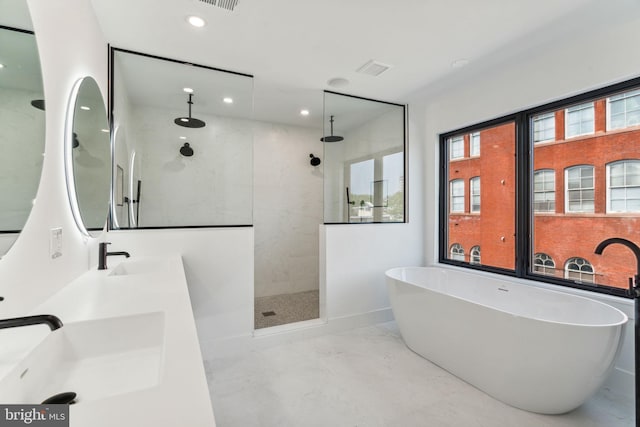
<point>148,285</point>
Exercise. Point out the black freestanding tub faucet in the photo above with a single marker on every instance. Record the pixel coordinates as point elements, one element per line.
<point>633,292</point>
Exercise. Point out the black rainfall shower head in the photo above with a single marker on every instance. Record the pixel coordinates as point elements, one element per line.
<point>315,161</point>
<point>38,103</point>
<point>332,137</point>
<point>186,150</point>
<point>189,122</point>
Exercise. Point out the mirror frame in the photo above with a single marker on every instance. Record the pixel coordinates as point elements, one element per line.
<point>72,193</point>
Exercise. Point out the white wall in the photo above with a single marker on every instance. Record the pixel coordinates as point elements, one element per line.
<point>583,60</point>
<point>287,208</point>
<point>71,46</point>
<point>218,266</point>
<point>357,255</point>
<point>214,186</point>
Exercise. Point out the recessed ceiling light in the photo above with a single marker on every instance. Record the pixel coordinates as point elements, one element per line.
<point>105,130</point>
<point>196,21</point>
<point>338,82</point>
<point>183,137</point>
<point>228,100</point>
<point>188,90</point>
<point>459,63</point>
<point>304,112</point>
<point>85,108</point>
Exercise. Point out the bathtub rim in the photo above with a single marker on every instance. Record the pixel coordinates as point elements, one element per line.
<point>526,282</point>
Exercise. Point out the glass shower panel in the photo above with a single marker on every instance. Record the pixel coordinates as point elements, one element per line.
<point>364,149</point>
<point>360,192</point>
<point>191,129</point>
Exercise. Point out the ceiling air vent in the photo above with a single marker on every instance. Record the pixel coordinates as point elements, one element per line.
<point>373,68</point>
<point>225,4</point>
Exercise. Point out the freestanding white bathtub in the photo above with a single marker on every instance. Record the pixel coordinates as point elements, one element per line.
<point>535,349</point>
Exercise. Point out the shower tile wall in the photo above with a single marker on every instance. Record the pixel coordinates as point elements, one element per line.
<point>287,208</point>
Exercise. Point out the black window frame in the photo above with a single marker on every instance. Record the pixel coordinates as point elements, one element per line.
<point>524,214</point>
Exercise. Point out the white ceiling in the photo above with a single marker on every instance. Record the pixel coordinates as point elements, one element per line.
<point>293,47</point>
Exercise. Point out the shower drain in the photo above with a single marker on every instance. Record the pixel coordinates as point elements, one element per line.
<point>268,313</point>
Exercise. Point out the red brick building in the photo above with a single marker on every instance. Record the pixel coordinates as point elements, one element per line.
<point>586,188</point>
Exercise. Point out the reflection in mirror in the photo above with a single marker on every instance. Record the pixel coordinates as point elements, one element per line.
<point>184,141</point>
<point>364,153</point>
<point>88,156</point>
<point>22,130</point>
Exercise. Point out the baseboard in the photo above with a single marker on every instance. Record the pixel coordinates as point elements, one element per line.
<point>621,382</point>
<point>268,337</point>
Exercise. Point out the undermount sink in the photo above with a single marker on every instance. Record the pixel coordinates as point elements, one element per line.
<point>95,359</point>
<point>137,266</point>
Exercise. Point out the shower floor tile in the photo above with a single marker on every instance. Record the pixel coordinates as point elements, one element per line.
<point>367,377</point>
<point>286,308</point>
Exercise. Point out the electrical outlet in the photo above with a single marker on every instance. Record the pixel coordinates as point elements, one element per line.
<point>55,243</point>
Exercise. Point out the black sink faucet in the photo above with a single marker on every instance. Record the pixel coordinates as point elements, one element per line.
<point>50,320</point>
<point>633,286</point>
<point>103,254</point>
<point>633,292</point>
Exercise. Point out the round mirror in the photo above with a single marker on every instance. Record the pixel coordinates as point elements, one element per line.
<point>88,156</point>
<point>22,129</point>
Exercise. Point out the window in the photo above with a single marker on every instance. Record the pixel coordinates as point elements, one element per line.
<point>475,144</point>
<point>456,147</point>
<point>475,194</point>
<point>475,255</point>
<point>623,186</point>
<point>457,195</point>
<point>544,127</point>
<point>457,252</point>
<point>579,120</point>
<point>579,189</point>
<point>579,269</point>
<point>545,206</point>
<point>623,110</point>
<point>491,181</point>
<point>544,191</point>
<point>544,264</point>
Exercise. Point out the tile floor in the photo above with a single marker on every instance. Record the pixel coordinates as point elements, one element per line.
<point>368,377</point>
<point>288,308</point>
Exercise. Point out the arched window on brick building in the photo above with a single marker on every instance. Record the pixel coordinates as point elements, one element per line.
<point>543,263</point>
<point>457,252</point>
<point>579,269</point>
<point>474,257</point>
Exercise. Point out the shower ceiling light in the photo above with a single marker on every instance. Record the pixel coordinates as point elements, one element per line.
<point>1,66</point>
<point>304,112</point>
<point>228,100</point>
<point>196,21</point>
